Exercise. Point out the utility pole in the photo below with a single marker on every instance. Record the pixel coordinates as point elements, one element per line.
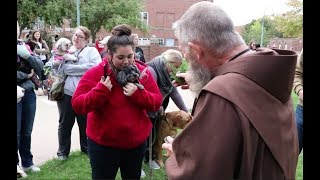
<point>78,12</point>
<point>262,31</point>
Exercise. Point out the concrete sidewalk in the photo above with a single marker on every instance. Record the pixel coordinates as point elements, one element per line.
<point>44,143</point>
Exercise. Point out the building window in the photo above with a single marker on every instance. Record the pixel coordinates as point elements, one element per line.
<point>161,42</point>
<point>169,42</point>
<point>144,17</point>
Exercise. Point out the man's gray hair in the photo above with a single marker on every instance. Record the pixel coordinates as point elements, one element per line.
<point>208,25</point>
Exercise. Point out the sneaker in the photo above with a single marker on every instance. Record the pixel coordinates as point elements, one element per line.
<point>32,168</point>
<point>154,165</point>
<point>143,174</point>
<point>62,157</point>
<point>20,172</point>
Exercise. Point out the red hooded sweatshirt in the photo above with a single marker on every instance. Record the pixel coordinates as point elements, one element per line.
<point>97,47</point>
<point>113,119</point>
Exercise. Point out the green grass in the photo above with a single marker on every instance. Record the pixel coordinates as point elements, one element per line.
<point>78,167</point>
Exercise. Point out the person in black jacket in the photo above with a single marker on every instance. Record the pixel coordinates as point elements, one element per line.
<point>139,52</point>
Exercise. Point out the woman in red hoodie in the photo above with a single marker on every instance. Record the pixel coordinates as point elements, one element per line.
<point>117,123</point>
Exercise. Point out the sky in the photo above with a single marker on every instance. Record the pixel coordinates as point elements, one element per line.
<point>243,11</point>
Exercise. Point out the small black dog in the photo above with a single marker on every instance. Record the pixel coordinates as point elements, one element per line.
<point>129,74</point>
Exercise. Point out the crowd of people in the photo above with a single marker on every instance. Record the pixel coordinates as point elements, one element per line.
<point>230,136</point>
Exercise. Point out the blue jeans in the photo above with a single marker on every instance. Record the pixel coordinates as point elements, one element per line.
<point>26,110</point>
<point>299,122</point>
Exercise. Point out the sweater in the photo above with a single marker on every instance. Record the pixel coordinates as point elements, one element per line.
<point>113,119</point>
<point>88,57</point>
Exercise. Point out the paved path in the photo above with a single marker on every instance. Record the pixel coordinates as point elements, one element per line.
<point>45,131</point>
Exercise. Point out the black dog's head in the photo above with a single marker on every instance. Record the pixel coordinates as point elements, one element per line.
<point>128,74</point>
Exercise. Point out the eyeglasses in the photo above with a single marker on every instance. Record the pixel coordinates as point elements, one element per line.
<point>78,36</point>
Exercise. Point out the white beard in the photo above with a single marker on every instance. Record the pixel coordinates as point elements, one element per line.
<point>200,76</point>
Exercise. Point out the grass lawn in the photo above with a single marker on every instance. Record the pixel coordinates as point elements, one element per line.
<point>78,167</point>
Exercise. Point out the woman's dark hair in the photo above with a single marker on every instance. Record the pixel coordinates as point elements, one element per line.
<point>121,36</point>
<point>33,38</point>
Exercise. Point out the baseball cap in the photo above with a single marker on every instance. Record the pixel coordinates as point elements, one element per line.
<point>105,40</point>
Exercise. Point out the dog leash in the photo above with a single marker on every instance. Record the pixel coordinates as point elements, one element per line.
<point>165,119</point>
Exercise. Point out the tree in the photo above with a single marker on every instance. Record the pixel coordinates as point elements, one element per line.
<point>291,23</point>
<point>27,12</point>
<point>56,10</point>
<point>252,31</point>
<point>95,14</point>
<point>108,13</point>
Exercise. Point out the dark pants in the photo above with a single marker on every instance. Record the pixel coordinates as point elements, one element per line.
<point>26,110</point>
<point>299,122</point>
<point>105,161</point>
<point>155,128</point>
<point>66,121</point>
<point>154,131</point>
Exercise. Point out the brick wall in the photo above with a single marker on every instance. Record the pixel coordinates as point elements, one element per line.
<point>155,50</point>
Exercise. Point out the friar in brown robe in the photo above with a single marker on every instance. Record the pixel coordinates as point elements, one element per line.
<point>243,123</point>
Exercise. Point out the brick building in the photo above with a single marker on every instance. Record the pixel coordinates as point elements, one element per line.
<point>159,15</point>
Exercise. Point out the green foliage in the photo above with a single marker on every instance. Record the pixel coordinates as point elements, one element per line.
<point>291,23</point>
<point>109,13</point>
<point>56,10</point>
<point>288,25</point>
<point>252,31</point>
<point>183,68</point>
<point>27,12</point>
<point>94,14</point>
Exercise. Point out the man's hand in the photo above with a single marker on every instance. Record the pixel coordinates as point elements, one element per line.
<point>186,77</point>
<point>106,82</point>
<point>31,74</point>
<point>168,145</point>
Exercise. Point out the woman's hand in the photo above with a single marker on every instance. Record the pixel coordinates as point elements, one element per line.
<point>129,89</point>
<point>106,82</point>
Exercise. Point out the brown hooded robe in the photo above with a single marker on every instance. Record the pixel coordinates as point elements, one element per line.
<point>243,123</point>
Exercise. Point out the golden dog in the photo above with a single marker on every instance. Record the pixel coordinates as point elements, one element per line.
<point>169,125</point>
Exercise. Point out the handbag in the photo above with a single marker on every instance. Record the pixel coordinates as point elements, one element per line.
<point>56,92</point>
